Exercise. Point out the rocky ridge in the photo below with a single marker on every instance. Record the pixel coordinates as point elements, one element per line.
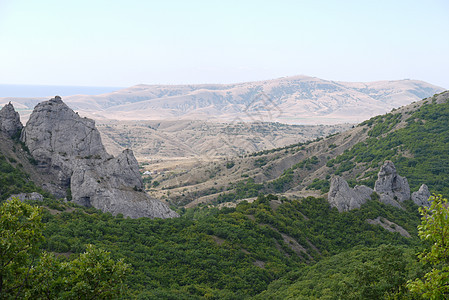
<point>291,100</point>
<point>390,188</point>
<point>389,226</point>
<point>345,198</point>
<point>69,148</point>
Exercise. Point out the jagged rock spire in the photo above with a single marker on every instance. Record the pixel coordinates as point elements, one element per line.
<point>421,197</point>
<point>10,121</point>
<point>392,188</point>
<point>70,147</point>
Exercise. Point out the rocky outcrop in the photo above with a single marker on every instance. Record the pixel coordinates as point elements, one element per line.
<point>421,197</point>
<point>10,121</point>
<point>389,226</point>
<point>345,198</point>
<point>70,147</point>
<point>392,188</point>
<point>59,139</point>
<point>34,196</point>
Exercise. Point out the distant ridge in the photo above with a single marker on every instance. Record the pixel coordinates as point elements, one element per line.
<point>292,100</point>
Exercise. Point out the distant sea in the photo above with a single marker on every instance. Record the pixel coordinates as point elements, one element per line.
<point>12,90</point>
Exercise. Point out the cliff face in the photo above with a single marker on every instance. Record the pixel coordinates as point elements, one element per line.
<point>60,140</point>
<point>70,147</point>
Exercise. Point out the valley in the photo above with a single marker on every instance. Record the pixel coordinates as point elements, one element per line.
<point>178,146</point>
<point>223,150</point>
<point>305,169</point>
<point>249,224</point>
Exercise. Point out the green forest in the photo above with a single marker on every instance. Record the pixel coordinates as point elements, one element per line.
<point>268,249</point>
<point>420,150</point>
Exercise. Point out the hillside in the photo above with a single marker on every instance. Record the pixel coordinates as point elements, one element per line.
<point>241,252</point>
<point>164,140</point>
<point>414,137</point>
<point>291,100</point>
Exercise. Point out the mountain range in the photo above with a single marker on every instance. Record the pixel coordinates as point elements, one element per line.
<point>291,100</point>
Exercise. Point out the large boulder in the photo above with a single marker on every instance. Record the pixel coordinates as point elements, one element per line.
<point>10,121</point>
<point>392,188</point>
<point>345,198</point>
<point>421,197</point>
<point>70,147</point>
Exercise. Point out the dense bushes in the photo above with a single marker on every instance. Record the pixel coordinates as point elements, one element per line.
<point>13,180</point>
<point>359,273</point>
<point>28,273</point>
<point>229,253</point>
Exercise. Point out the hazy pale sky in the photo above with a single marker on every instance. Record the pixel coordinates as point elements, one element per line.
<point>123,43</point>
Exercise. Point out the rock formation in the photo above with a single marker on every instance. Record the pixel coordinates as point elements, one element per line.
<point>391,187</point>
<point>10,121</point>
<point>59,139</point>
<point>389,226</point>
<point>70,147</point>
<point>345,198</point>
<point>421,197</point>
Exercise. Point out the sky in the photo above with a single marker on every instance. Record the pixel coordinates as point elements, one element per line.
<point>124,43</point>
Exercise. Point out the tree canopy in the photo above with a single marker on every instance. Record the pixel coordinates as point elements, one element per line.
<point>434,230</point>
<point>26,272</point>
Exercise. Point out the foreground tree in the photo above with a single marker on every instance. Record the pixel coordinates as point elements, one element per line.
<point>20,234</point>
<point>94,275</point>
<point>28,273</point>
<point>434,229</point>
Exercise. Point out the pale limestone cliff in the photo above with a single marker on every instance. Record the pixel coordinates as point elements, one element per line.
<point>10,123</point>
<point>70,147</point>
<point>34,196</point>
<point>392,188</point>
<point>345,198</point>
<point>421,197</point>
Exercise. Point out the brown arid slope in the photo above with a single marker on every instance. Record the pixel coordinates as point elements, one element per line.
<point>179,146</point>
<point>205,182</point>
<point>156,140</point>
<point>306,162</point>
<point>292,100</point>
